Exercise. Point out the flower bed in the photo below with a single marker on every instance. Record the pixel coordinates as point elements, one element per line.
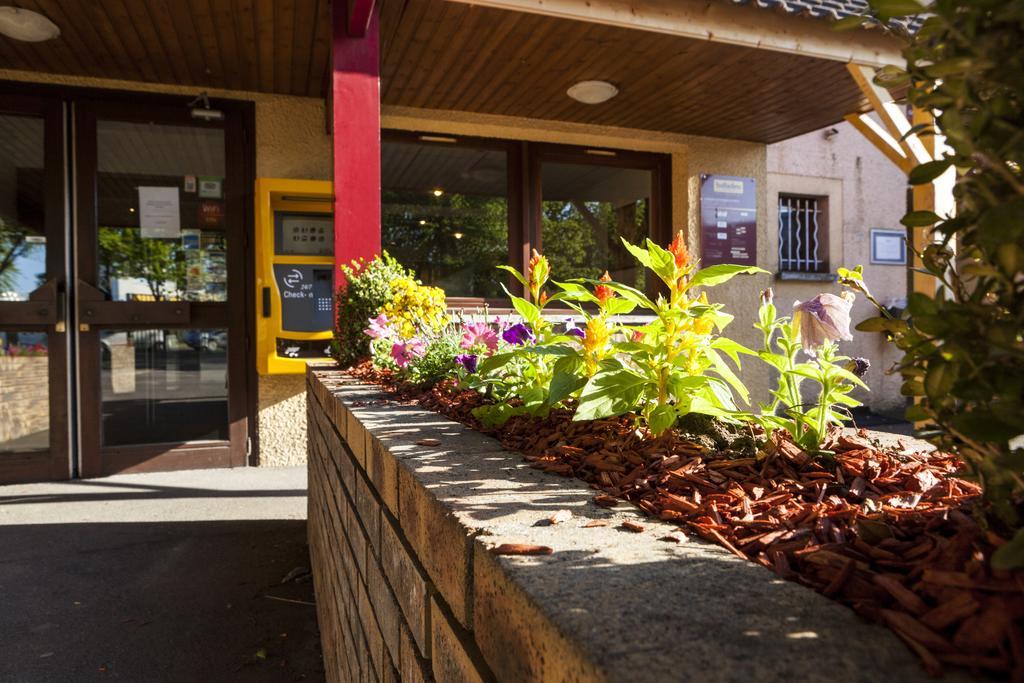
<point>655,412</point>
<point>917,562</point>
<point>411,520</point>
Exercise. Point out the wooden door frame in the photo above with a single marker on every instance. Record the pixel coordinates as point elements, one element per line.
<point>55,463</point>
<point>235,314</point>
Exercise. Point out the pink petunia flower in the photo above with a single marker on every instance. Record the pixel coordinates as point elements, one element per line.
<point>406,352</point>
<point>378,328</point>
<point>479,334</point>
<point>822,319</point>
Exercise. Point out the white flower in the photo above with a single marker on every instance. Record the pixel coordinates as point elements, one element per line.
<point>822,319</point>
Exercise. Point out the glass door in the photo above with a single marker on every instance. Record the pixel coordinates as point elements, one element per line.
<point>34,442</point>
<point>160,295</point>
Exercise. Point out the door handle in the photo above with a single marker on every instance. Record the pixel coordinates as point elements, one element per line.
<point>60,327</point>
<point>96,309</point>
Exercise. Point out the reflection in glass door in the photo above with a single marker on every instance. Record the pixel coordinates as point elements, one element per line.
<point>160,289</point>
<point>33,400</point>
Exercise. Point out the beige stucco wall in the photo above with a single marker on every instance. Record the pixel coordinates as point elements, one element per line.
<point>871,193</point>
<point>291,142</point>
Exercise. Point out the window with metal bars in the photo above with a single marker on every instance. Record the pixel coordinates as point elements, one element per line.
<point>803,234</point>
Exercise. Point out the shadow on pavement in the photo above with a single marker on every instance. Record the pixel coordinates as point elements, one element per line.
<point>163,601</point>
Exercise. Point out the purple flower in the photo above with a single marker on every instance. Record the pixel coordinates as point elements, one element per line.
<point>572,330</point>
<point>378,328</point>
<point>859,367</point>
<point>823,319</point>
<point>404,353</point>
<point>467,361</point>
<point>519,334</point>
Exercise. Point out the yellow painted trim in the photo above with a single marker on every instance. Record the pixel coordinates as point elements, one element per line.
<point>275,194</point>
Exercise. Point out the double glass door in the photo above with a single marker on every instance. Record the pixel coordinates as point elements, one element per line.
<point>122,311</point>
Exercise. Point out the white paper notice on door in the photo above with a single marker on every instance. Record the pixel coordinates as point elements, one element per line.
<point>122,368</point>
<point>159,212</point>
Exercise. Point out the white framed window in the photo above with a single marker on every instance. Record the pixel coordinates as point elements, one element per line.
<point>803,234</point>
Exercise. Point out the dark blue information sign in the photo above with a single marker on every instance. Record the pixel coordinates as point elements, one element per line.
<point>728,220</point>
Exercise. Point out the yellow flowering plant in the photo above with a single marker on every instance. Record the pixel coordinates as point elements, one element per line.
<point>674,364</point>
<point>414,309</point>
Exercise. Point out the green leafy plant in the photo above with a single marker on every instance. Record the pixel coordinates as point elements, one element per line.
<point>365,291</point>
<point>437,361</point>
<point>675,364</point>
<point>963,346</point>
<point>518,376</point>
<point>835,375</point>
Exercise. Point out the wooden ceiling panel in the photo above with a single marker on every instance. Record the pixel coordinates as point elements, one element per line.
<point>522,64</point>
<point>280,46</point>
<point>450,56</point>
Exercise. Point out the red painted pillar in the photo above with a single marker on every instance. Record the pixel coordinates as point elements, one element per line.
<point>355,97</point>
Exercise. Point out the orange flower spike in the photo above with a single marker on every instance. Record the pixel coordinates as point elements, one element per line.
<point>604,292</point>
<point>543,299</point>
<point>679,250</point>
<point>538,274</point>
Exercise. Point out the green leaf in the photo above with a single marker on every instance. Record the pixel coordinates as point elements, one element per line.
<point>845,374</point>
<point>732,348</point>
<point>564,385</point>
<point>610,392</point>
<point>494,362</point>
<point>928,171</point>
<point>632,294</point>
<point>515,273</point>
<point>939,380</point>
<point>1011,554</point>
<point>881,325</point>
<point>639,253</point>
<point>573,291</point>
<point>524,308</point>
<point>983,426</point>
<point>716,275</point>
<point>847,23</point>
<point>620,306</point>
<point>895,8</point>
<point>661,418</point>
<point>663,263</point>
<point>917,219</point>
<point>723,369</point>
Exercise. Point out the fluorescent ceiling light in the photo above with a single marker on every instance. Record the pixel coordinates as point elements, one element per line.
<point>26,25</point>
<point>592,92</point>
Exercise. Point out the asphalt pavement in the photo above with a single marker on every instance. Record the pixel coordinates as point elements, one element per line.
<point>182,576</point>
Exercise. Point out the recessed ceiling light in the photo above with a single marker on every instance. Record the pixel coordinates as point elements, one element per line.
<point>26,25</point>
<point>592,92</point>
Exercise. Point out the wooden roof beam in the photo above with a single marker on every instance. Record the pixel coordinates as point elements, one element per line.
<point>721,22</point>
<point>892,115</point>
<point>882,140</point>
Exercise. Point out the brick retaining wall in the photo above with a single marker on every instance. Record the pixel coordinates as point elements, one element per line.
<point>400,534</point>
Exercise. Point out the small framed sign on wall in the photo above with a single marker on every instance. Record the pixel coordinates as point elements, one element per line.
<point>888,247</point>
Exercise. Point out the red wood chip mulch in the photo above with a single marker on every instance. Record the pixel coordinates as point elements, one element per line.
<point>889,534</point>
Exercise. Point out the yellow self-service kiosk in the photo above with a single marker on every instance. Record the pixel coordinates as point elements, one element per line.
<point>294,274</point>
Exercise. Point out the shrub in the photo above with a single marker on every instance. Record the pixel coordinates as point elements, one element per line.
<point>366,289</point>
<point>963,349</point>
